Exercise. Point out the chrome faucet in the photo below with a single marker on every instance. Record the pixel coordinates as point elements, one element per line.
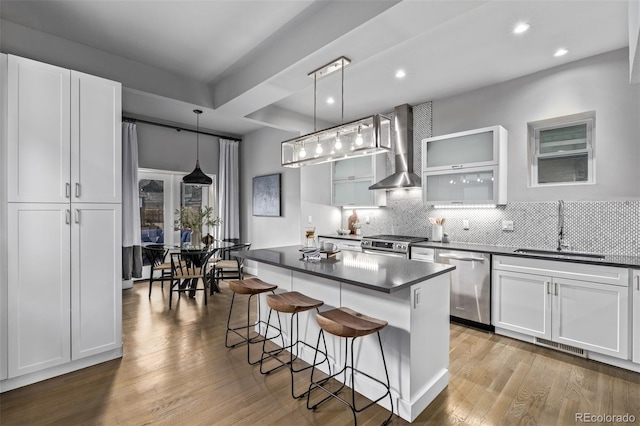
<point>561,244</point>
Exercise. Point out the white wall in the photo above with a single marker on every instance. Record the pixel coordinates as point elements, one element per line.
<point>315,188</point>
<point>599,83</point>
<point>167,149</point>
<point>260,155</point>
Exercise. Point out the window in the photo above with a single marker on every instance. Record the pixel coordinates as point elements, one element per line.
<point>562,150</point>
<point>161,194</point>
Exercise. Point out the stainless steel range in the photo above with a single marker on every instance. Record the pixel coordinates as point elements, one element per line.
<point>389,245</point>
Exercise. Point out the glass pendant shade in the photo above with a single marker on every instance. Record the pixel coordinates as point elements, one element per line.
<point>367,136</point>
<point>197,176</point>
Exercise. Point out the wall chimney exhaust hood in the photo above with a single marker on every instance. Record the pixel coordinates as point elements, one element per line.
<point>404,177</point>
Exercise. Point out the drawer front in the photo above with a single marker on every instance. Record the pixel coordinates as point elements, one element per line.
<point>575,271</point>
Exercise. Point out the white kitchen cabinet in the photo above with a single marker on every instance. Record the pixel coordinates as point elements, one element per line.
<point>96,269</point>
<point>96,134</point>
<point>63,135</point>
<point>520,303</point>
<point>579,305</point>
<point>635,326</point>
<point>39,132</point>
<point>61,207</point>
<point>351,178</point>
<point>466,167</point>
<point>39,294</point>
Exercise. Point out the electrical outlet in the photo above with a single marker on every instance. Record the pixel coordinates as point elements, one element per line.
<point>309,219</point>
<point>417,299</point>
<point>366,219</point>
<point>465,223</point>
<point>507,225</point>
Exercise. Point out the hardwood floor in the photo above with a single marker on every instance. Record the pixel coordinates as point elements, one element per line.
<point>176,370</point>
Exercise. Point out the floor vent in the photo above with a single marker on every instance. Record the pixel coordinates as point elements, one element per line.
<point>561,347</point>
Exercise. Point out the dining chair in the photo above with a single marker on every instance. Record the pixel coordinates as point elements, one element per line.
<point>156,255</point>
<point>229,266</point>
<point>189,267</point>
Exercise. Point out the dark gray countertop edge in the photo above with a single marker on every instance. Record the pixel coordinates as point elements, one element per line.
<point>609,260</point>
<point>246,255</point>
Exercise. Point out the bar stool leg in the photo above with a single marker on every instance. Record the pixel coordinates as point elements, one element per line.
<point>247,339</point>
<point>334,394</point>
<point>295,344</point>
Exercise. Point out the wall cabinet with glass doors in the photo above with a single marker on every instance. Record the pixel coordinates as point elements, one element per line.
<point>351,178</point>
<point>465,168</point>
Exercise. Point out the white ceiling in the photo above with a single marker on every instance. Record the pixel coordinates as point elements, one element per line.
<point>254,56</point>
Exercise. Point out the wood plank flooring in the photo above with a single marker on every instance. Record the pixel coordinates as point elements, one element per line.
<point>176,370</point>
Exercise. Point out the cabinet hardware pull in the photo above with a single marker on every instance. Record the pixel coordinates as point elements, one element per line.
<point>68,216</point>
<point>548,287</point>
<point>77,216</point>
<point>638,282</point>
<point>351,177</point>
<point>459,166</point>
<point>77,189</point>
<point>67,189</point>
<point>555,289</point>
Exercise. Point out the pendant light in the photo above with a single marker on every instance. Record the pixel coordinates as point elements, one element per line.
<point>367,136</point>
<point>197,176</point>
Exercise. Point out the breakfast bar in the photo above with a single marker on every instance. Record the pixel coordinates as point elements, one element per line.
<point>413,297</point>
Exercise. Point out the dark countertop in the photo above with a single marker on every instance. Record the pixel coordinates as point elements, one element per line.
<point>381,273</point>
<point>609,259</point>
<point>341,237</point>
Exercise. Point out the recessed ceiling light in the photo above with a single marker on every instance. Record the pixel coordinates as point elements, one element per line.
<point>330,101</point>
<point>561,52</point>
<point>400,74</point>
<point>522,27</point>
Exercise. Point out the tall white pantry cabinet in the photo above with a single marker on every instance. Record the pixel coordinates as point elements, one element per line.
<point>61,294</point>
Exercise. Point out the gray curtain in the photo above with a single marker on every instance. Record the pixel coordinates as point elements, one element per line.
<point>229,206</point>
<point>131,239</point>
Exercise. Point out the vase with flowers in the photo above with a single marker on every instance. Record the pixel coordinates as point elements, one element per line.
<point>194,219</point>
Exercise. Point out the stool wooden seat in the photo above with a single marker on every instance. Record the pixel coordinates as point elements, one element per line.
<point>250,287</point>
<point>291,302</point>
<point>347,323</point>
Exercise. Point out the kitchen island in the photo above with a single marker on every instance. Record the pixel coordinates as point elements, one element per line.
<point>413,297</point>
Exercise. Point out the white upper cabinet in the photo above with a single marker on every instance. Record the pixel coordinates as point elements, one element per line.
<point>465,168</point>
<point>61,148</point>
<point>351,178</point>
<point>96,172</point>
<point>39,132</point>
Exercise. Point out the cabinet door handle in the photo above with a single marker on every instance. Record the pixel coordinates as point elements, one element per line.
<point>351,177</point>
<point>459,166</point>
<point>555,289</point>
<point>67,189</point>
<point>548,287</point>
<point>638,282</point>
<point>67,216</point>
<point>77,216</point>
<point>77,189</point>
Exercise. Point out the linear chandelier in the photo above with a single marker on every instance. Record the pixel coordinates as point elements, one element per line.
<point>366,136</point>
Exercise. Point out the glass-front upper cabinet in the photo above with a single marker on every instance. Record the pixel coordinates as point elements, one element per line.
<point>465,168</point>
<point>351,178</point>
<point>472,148</point>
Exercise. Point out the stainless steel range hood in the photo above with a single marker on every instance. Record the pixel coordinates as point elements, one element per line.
<point>403,176</point>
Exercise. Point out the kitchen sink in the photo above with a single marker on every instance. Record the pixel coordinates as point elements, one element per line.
<point>559,254</point>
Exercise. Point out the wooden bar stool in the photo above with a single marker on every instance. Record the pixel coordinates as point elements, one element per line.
<point>251,287</point>
<point>347,323</point>
<point>291,302</point>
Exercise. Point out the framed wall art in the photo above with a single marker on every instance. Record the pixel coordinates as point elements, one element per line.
<point>266,195</point>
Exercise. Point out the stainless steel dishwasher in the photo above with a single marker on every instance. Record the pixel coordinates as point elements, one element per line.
<point>470,285</point>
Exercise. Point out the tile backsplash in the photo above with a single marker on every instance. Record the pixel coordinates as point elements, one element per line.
<point>605,227</point>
